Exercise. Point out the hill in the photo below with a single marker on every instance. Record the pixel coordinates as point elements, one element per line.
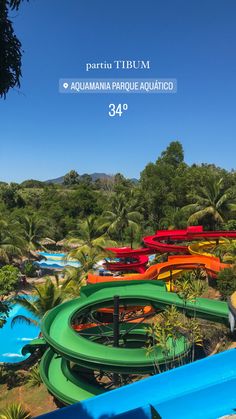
<point>95,176</point>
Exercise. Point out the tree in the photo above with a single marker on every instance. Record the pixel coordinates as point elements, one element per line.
<point>212,201</point>
<point>33,230</point>
<point>88,262</point>
<point>174,154</point>
<point>90,250</point>
<point>71,178</point>
<point>9,279</point>
<point>11,241</point>
<point>47,296</point>
<point>11,197</point>
<point>32,183</point>
<point>10,49</point>
<point>121,216</point>
<point>132,233</point>
<point>89,236</point>
<point>173,219</point>
<point>162,184</point>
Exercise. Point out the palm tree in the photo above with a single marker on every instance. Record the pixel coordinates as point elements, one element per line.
<point>89,236</point>
<point>15,411</point>
<point>91,250</point>
<point>121,216</point>
<point>88,262</point>
<point>11,240</point>
<point>47,296</point>
<point>173,219</point>
<point>213,200</point>
<point>33,231</point>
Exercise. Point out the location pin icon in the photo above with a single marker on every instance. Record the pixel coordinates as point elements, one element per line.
<point>65,85</point>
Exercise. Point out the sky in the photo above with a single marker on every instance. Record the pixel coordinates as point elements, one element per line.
<point>44,134</point>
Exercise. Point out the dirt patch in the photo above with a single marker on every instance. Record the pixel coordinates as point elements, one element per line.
<point>37,400</point>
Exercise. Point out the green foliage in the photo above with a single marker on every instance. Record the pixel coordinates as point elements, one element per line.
<point>34,378</point>
<point>11,197</point>
<point>226,282</point>
<point>29,269</point>
<point>15,411</point>
<point>71,178</point>
<point>174,154</point>
<point>33,229</point>
<point>165,328</point>
<point>4,312</point>
<point>168,328</point>
<point>168,194</point>
<point>122,218</point>
<point>90,247</point>
<point>11,241</point>
<point>32,183</point>
<point>226,250</point>
<point>213,201</point>
<point>191,285</point>
<point>10,51</point>
<point>9,279</point>
<point>47,296</point>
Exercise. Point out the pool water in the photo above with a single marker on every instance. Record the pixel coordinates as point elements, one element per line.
<point>56,261</point>
<point>14,338</point>
<point>53,255</point>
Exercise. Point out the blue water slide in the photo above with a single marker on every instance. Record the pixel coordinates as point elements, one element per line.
<point>204,389</point>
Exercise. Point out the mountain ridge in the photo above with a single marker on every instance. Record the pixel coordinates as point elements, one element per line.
<point>95,176</point>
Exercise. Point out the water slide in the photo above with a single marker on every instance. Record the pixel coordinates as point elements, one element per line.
<point>167,241</point>
<point>200,390</point>
<point>168,270</point>
<point>67,381</point>
<point>137,264</point>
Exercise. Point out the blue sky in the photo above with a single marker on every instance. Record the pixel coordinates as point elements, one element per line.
<point>45,134</point>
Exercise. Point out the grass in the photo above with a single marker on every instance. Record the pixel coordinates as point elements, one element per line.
<point>37,400</point>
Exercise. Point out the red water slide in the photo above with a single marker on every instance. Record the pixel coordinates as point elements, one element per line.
<point>164,241</point>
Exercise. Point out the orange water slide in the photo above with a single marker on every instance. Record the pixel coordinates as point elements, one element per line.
<point>168,270</point>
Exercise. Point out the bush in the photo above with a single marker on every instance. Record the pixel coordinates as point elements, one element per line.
<point>15,410</point>
<point>29,269</point>
<point>226,282</point>
<point>9,279</point>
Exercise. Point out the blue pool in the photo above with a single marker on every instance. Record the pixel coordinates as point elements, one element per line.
<point>56,261</point>
<point>13,339</point>
<point>53,255</point>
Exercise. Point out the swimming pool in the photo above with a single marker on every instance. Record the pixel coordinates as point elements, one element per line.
<point>53,255</point>
<point>13,339</point>
<point>56,261</point>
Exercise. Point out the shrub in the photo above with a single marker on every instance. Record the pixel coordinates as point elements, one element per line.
<point>15,411</point>
<point>34,377</point>
<point>226,282</point>
<point>9,279</point>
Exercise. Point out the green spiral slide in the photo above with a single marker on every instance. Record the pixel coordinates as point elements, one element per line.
<point>71,354</point>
